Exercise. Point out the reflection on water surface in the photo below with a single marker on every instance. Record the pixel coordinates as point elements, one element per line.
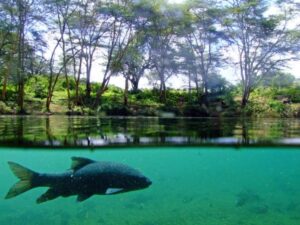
<point>95,131</point>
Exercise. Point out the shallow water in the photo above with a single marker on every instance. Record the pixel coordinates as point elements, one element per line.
<point>191,185</point>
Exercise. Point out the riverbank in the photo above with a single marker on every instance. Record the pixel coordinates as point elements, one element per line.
<point>279,102</point>
<point>256,108</point>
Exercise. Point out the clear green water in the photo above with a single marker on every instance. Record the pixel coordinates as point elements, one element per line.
<point>249,186</point>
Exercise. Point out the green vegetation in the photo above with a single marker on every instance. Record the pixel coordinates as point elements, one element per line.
<point>264,101</point>
<point>49,48</point>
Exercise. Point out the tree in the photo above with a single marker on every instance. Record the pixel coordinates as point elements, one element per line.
<point>7,52</point>
<point>263,42</point>
<point>203,37</point>
<point>23,17</point>
<point>60,13</point>
<point>86,32</point>
<point>135,61</point>
<point>277,79</point>
<point>116,42</point>
<point>163,52</point>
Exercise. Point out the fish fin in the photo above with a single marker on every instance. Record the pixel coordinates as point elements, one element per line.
<point>110,191</point>
<point>50,194</point>
<point>83,197</point>
<point>25,175</point>
<point>79,162</point>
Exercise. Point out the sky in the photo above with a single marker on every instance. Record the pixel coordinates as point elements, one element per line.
<point>176,1</point>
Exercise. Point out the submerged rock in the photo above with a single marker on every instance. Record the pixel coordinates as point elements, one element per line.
<point>246,197</point>
<point>292,206</point>
<point>259,209</point>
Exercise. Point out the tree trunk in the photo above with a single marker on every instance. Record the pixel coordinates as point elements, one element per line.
<point>66,73</point>
<point>126,92</point>
<point>100,92</point>
<point>163,93</point>
<point>48,102</point>
<point>51,87</point>
<point>21,97</point>
<point>190,87</point>
<point>77,79</point>
<point>88,88</point>
<point>21,55</point>
<point>135,85</point>
<point>4,85</point>
<point>68,90</point>
<point>245,98</point>
<point>77,99</point>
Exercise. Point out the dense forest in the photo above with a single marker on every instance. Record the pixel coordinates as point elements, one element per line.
<point>49,50</point>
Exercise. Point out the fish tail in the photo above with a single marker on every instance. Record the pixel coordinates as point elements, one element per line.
<point>25,183</point>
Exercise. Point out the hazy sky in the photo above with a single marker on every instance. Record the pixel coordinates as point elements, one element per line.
<point>176,1</point>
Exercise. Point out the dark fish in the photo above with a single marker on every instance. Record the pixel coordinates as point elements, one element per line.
<point>85,178</point>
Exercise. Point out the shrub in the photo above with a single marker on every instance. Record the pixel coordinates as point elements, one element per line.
<point>4,109</point>
<point>40,92</point>
<point>195,111</point>
<point>114,109</point>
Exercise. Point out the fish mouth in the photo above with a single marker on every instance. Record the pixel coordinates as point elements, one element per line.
<point>148,182</point>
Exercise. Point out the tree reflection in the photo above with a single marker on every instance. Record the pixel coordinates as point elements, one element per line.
<point>94,131</point>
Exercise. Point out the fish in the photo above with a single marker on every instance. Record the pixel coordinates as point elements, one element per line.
<point>85,178</point>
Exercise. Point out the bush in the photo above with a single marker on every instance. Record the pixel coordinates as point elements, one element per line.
<point>40,92</point>
<point>4,109</point>
<point>195,111</point>
<point>72,84</point>
<point>114,110</point>
<point>277,106</point>
<point>11,95</point>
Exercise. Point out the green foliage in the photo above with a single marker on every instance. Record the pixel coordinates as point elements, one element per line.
<point>278,80</point>
<point>72,84</point>
<point>11,94</point>
<point>40,92</point>
<point>145,97</point>
<point>217,83</point>
<point>135,36</point>
<point>265,102</point>
<point>4,109</point>
<point>113,109</point>
<point>37,86</point>
<point>195,111</point>
<point>293,93</point>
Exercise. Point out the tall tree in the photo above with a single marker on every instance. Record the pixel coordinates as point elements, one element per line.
<point>60,12</point>
<point>116,42</point>
<point>204,38</point>
<point>136,61</point>
<point>262,41</point>
<point>163,52</point>
<point>7,45</point>
<point>24,15</point>
<point>87,29</point>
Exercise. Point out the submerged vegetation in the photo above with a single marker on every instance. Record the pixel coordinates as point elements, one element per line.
<point>59,56</point>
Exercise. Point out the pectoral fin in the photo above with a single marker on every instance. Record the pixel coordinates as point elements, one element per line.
<point>83,197</point>
<point>110,191</point>
<point>50,194</point>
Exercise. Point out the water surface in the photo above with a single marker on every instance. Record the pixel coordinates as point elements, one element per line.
<point>96,131</point>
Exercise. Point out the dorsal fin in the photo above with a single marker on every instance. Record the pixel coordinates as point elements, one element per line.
<point>79,162</point>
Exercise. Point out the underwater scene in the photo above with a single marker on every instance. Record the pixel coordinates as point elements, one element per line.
<point>190,185</point>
